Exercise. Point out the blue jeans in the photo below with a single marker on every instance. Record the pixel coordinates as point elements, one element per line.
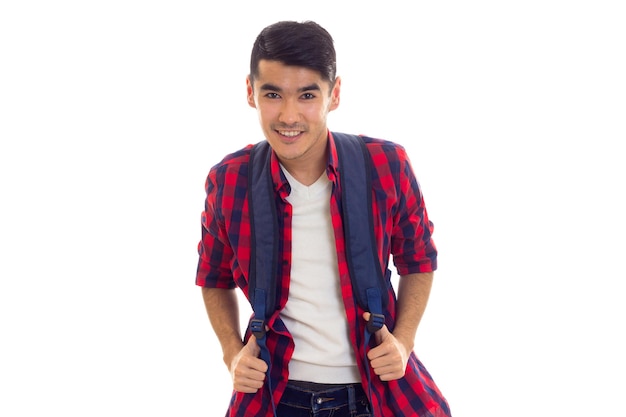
<point>313,400</point>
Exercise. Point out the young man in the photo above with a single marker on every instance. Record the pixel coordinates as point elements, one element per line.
<point>320,363</point>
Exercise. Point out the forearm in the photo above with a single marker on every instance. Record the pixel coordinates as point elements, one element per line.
<point>413,293</point>
<point>223,311</point>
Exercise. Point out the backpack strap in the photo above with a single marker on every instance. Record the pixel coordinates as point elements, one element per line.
<point>263,229</point>
<point>355,175</point>
<point>363,264</point>
<point>263,251</point>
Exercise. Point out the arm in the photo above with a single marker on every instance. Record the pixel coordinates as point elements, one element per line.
<point>389,359</point>
<point>413,293</point>
<point>246,369</point>
<point>223,311</point>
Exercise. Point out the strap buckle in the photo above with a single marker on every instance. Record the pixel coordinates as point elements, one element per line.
<point>257,327</point>
<point>375,322</point>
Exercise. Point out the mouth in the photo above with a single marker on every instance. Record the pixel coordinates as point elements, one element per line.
<point>289,134</point>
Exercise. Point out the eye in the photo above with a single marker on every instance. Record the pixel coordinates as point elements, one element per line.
<point>272,95</point>
<point>308,96</point>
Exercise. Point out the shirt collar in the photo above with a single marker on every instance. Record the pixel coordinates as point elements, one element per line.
<point>281,185</point>
<point>332,169</point>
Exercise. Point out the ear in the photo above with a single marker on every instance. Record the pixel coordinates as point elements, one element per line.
<point>250,92</point>
<point>335,95</point>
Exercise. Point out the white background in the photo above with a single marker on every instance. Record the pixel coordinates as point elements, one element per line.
<point>112,113</point>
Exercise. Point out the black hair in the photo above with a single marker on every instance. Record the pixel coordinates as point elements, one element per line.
<point>301,44</point>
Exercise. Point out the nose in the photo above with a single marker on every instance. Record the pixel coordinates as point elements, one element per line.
<point>289,112</point>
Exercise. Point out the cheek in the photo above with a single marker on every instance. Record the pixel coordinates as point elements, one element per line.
<point>318,112</point>
<point>266,113</point>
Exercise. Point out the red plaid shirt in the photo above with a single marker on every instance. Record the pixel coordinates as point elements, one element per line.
<point>402,229</point>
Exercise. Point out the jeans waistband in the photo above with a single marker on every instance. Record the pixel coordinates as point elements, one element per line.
<point>318,396</point>
<point>315,386</point>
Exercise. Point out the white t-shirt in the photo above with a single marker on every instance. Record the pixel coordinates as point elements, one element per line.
<point>314,313</point>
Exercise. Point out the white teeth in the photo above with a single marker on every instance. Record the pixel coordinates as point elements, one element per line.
<point>289,133</point>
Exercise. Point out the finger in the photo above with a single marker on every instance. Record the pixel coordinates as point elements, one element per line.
<point>253,363</point>
<point>247,384</point>
<point>389,374</point>
<point>384,355</point>
<point>383,350</point>
<point>366,317</point>
<point>249,375</point>
<point>253,346</point>
<point>387,367</point>
<point>381,334</point>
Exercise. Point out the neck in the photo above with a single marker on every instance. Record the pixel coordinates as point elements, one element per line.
<point>305,175</point>
<point>309,166</point>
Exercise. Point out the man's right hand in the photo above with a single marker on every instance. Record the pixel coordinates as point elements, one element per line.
<point>247,370</point>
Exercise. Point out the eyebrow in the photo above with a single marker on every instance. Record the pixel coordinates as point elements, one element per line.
<point>272,87</point>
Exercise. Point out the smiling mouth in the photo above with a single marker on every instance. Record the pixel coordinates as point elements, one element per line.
<point>289,133</point>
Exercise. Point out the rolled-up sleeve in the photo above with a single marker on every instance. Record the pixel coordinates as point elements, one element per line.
<point>413,248</point>
<point>214,251</point>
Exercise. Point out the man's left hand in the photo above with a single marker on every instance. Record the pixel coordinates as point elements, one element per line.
<point>390,357</point>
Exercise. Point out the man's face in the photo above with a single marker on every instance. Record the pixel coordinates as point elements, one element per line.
<point>292,104</point>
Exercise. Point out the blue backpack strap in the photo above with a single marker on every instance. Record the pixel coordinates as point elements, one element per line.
<point>366,274</point>
<point>264,249</point>
<point>368,282</point>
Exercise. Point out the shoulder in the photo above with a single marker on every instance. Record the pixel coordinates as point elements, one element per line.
<point>230,175</point>
<point>375,146</point>
<point>233,163</point>
<point>383,150</point>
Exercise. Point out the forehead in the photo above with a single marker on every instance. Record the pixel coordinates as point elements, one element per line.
<point>288,76</point>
